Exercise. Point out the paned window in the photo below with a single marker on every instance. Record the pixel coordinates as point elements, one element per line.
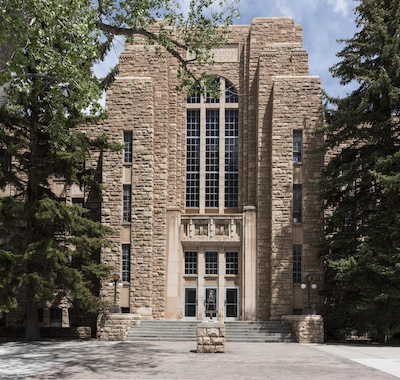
<point>127,203</point>
<point>297,203</point>
<point>215,124</point>
<point>231,95</point>
<point>231,158</point>
<point>211,262</point>
<point>297,146</point>
<point>232,262</point>
<point>297,254</point>
<point>78,202</point>
<point>192,157</point>
<point>190,262</point>
<point>126,263</point>
<point>127,147</point>
<point>212,158</point>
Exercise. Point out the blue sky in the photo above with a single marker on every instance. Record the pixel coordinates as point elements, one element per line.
<point>323,23</point>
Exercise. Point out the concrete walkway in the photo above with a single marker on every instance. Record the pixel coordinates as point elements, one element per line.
<point>151,360</point>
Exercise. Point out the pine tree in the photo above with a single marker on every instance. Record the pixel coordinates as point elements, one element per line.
<point>49,248</point>
<point>361,181</point>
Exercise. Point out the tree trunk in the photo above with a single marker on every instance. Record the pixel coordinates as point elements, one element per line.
<point>31,323</point>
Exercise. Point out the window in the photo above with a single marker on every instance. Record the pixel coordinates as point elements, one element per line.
<point>297,145</point>
<point>232,262</point>
<point>192,157</point>
<point>211,262</point>
<point>190,262</point>
<point>126,263</point>
<point>127,203</point>
<point>215,123</point>
<point>40,316</point>
<point>297,254</point>
<point>127,147</point>
<point>56,317</point>
<point>5,162</point>
<point>297,203</point>
<point>212,158</point>
<point>231,158</point>
<point>78,202</point>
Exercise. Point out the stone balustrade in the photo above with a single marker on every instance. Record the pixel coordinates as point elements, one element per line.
<point>209,228</point>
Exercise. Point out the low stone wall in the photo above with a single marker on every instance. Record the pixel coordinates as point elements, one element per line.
<point>308,328</point>
<point>211,337</point>
<point>115,326</point>
<point>81,332</point>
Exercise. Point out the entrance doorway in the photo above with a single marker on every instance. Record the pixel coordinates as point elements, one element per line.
<point>232,304</point>
<point>211,293</point>
<point>190,308</point>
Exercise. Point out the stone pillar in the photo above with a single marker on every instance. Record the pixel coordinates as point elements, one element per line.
<point>249,265</point>
<point>308,328</point>
<point>174,260</point>
<point>211,337</point>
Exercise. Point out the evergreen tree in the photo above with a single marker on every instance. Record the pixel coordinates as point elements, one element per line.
<point>361,180</point>
<point>49,248</point>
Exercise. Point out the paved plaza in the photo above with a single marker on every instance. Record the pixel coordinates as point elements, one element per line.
<point>161,360</point>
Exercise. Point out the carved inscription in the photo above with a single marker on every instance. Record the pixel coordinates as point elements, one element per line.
<point>227,53</point>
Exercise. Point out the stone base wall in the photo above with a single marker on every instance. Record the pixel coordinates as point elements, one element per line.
<point>308,328</point>
<point>115,326</point>
<point>81,332</point>
<point>211,337</point>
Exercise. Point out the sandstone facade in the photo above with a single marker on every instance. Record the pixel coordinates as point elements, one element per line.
<point>268,68</point>
<point>179,239</point>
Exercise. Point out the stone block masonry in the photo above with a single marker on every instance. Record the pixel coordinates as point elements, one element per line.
<point>211,337</point>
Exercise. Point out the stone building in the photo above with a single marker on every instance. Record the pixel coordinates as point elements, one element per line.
<point>215,195</point>
<point>211,196</point>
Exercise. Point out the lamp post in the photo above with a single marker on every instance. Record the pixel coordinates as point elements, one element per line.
<point>116,283</point>
<point>308,284</point>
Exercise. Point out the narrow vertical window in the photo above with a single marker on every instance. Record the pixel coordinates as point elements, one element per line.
<point>231,158</point>
<point>190,262</point>
<point>211,262</point>
<point>297,146</point>
<point>5,162</point>
<point>192,158</point>
<point>127,203</point>
<point>232,262</point>
<point>212,158</point>
<point>127,147</point>
<point>297,254</point>
<point>126,263</point>
<point>297,203</point>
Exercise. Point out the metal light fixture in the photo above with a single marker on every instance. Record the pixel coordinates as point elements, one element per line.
<point>116,283</point>
<point>308,284</point>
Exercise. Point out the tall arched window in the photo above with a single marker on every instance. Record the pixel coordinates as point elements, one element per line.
<point>212,132</point>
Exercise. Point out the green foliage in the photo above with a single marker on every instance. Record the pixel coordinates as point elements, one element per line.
<point>49,247</point>
<point>188,30</point>
<point>360,183</point>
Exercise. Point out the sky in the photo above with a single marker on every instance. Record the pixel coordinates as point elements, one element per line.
<point>323,22</point>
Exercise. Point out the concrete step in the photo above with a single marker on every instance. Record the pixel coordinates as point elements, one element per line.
<point>181,331</point>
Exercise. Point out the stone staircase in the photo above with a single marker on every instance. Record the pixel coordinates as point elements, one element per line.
<point>185,331</point>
